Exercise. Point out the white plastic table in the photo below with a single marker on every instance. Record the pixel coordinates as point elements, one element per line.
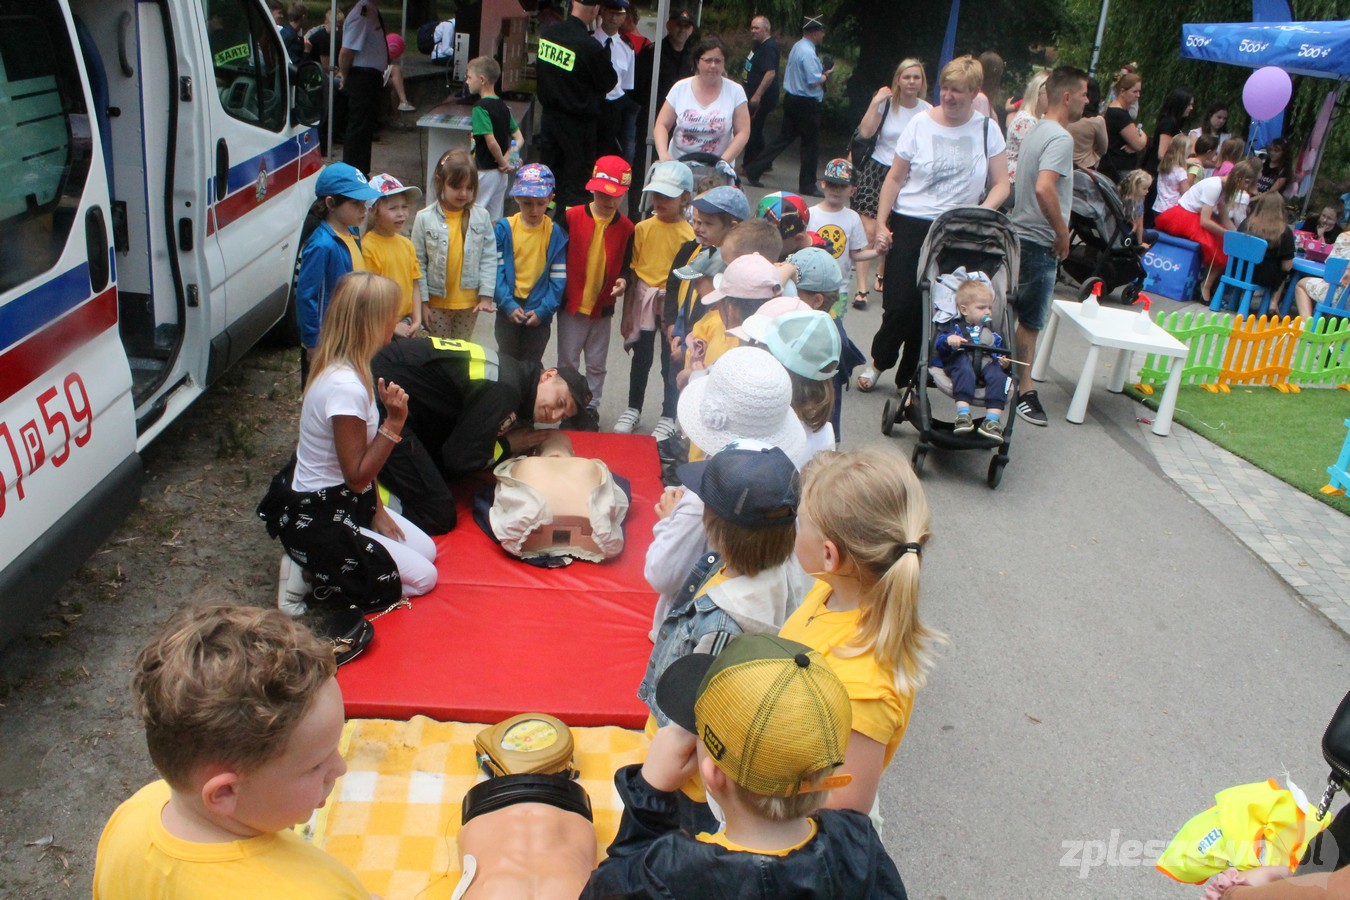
<point>1114,329</point>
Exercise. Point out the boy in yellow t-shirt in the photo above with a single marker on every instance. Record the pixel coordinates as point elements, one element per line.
<point>242,719</point>
<point>531,268</point>
<point>747,284</point>
<point>387,252</point>
<point>655,242</point>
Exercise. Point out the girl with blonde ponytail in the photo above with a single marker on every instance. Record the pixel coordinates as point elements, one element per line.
<point>861,528</point>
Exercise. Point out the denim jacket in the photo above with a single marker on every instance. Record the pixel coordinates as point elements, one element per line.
<point>431,241</point>
<point>703,620</point>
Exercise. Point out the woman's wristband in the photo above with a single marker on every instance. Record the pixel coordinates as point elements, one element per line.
<point>393,438</point>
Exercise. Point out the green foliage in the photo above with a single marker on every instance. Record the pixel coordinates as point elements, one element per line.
<point>1149,33</point>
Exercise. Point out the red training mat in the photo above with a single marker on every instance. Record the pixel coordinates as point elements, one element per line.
<point>498,637</point>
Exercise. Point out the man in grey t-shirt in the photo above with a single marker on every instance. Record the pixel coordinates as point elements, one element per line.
<point>1041,219</point>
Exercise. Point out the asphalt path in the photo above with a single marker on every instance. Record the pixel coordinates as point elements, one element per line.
<point>1117,657</point>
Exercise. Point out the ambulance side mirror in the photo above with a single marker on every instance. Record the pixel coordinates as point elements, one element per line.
<point>307,96</point>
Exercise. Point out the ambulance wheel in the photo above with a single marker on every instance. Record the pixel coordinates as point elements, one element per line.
<point>887,419</point>
<point>916,458</point>
<point>996,470</point>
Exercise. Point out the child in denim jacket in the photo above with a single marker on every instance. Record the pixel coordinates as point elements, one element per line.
<point>750,582</point>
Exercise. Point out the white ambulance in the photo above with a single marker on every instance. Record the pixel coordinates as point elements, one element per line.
<point>157,158</point>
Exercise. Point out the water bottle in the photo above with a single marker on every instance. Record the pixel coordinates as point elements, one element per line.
<point>513,157</point>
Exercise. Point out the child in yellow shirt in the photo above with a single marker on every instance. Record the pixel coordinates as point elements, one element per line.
<point>456,250</point>
<point>388,252</point>
<point>655,243</point>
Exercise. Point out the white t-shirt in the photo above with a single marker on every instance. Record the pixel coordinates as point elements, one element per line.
<point>821,441</point>
<point>844,230</point>
<point>1169,189</point>
<point>1205,192</point>
<point>892,127</point>
<point>336,391</point>
<point>703,129</point>
<point>947,166</point>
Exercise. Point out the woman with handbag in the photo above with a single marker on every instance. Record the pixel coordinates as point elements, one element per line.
<point>947,157</point>
<point>327,511</point>
<point>873,147</point>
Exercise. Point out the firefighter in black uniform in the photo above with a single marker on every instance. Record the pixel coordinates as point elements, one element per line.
<point>468,409</point>
<point>574,75</point>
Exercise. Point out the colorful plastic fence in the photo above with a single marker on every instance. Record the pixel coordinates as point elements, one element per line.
<point>1283,353</point>
<point>1339,482</point>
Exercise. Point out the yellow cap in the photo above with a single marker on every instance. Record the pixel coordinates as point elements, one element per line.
<point>769,711</point>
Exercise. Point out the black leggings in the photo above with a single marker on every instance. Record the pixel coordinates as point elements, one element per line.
<point>901,300</point>
<point>643,353</point>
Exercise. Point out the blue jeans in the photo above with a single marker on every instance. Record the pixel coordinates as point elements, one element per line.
<point>1039,268</point>
<point>961,370</point>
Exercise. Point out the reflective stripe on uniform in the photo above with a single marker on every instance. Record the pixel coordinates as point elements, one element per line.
<point>483,363</point>
<point>556,55</point>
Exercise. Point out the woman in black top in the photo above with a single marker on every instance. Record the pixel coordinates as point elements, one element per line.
<point>1176,109</point>
<point>1124,139</point>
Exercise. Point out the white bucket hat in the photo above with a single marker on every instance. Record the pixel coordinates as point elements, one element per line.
<point>746,394</point>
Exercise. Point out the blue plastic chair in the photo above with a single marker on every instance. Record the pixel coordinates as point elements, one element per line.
<point>1244,252</point>
<point>1337,300</point>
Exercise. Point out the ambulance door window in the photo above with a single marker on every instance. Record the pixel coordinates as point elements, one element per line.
<point>47,146</point>
<point>249,62</point>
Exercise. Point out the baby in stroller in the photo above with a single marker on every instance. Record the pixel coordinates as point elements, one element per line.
<point>958,344</point>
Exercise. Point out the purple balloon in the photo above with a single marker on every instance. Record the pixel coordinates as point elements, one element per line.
<point>1267,93</point>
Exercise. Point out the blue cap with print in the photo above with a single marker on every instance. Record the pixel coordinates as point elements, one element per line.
<point>534,180</point>
<point>342,180</point>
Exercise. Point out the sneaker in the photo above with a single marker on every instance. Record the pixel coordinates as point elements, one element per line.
<point>628,421</point>
<point>665,427</point>
<point>963,424</point>
<point>406,107</point>
<point>992,430</point>
<point>1029,409</point>
<point>291,588</point>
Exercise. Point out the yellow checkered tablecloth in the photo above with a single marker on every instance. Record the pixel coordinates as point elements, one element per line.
<point>394,816</point>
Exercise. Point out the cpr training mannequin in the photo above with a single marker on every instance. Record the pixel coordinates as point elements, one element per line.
<point>558,504</point>
<point>526,832</point>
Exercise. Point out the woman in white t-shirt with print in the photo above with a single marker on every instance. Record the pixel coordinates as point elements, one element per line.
<point>942,161</point>
<point>706,113</point>
<point>333,524</point>
<point>887,115</point>
<point>1212,207</point>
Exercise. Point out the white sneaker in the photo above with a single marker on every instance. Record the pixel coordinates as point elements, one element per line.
<point>291,588</point>
<point>665,427</point>
<point>406,107</point>
<point>628,421</point>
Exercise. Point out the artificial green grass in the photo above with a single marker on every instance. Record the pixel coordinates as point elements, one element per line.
<point>1292,436</point>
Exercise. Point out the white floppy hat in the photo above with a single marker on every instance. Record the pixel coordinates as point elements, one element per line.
<point>746,394</point>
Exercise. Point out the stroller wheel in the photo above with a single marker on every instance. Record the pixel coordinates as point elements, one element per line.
<point>916,458</point>
<point>1129,293</point>
<point>996,465</point>
<point>887,420</point>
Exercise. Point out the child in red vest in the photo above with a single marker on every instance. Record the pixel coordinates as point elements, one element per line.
<point>599,247</point>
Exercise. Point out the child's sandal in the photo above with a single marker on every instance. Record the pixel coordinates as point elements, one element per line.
<point>860,300</point>
<point>879,278</point>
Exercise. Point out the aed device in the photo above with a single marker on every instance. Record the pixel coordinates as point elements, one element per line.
<point>530,743</point>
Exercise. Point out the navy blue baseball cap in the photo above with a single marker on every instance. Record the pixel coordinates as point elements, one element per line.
<point>748,483</point>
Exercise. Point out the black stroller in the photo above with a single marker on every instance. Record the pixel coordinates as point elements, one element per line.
<point>977,239</point>
<point>1102,240</point>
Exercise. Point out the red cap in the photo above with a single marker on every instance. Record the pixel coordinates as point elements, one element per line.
<point>612,176</point>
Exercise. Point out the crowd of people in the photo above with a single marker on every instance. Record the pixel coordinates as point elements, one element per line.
<point>787,570</point>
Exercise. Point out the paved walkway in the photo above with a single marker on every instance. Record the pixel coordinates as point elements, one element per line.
<point>1304,541</point>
